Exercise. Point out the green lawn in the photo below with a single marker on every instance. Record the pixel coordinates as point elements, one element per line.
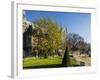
<point>49,62</point>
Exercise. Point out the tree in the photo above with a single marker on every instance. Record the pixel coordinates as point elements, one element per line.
<point>49,35</point>
<point>74,41</point>
<point>66,59</point>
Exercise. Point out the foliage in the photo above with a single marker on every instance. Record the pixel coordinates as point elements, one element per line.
<point>66,59</point>
<point>49,35</point>
<point>76,42</point>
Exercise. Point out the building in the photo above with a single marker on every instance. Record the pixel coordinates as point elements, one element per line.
<point>28,41</point>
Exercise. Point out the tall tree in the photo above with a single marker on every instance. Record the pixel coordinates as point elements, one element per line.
<point>77,43</point>
<point>49,35</point>
<point>66,58</point>
<point>74,40</point>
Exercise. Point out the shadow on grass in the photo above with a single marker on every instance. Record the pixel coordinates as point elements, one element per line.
<point>47,66</point>
<point>44,66</point>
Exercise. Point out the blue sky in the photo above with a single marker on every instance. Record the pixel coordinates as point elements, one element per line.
<point>79,23</point>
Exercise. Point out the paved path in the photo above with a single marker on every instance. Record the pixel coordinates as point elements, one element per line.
<point>83,58</point>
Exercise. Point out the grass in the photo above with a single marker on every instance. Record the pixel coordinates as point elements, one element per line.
<point>73,62</point>
<point>50,62</point>
<point>44,62</point>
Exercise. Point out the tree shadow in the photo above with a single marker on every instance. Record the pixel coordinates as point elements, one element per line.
<point>44,66</point>
<point>48,66</point>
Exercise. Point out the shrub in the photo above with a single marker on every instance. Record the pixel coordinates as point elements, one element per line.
<point>66,60</point>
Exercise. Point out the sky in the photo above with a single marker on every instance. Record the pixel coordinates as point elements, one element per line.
<point>78,23</point>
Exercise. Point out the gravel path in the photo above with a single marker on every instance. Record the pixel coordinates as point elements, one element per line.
<point>83,58</point>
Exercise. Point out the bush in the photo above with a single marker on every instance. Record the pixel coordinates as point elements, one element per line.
<point>66,60</point>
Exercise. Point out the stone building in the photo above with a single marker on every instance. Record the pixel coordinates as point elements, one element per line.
<point>28,28</point>
<point>28,41</point>
<point>32,37</point>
